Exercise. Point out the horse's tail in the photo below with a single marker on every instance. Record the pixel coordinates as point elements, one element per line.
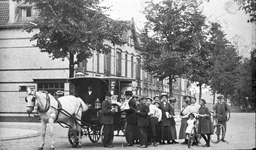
<point>84,106</point>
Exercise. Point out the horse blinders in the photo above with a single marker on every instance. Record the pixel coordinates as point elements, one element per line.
<point>33,99</point>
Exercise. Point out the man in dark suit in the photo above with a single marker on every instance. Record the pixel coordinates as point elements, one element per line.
<point>107,121</point>
<point>143,122</point>
<point>90,96</point>
<point>130,119</point>
<point>221,108</point>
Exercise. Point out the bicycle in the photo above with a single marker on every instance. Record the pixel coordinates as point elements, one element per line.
<point>219,130</point>
<point>193,135</point>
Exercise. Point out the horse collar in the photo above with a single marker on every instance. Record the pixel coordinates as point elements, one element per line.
<point>47,105</point>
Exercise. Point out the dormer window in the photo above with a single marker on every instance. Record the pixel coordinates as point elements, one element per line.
<point>26,9</point>
<point>29,12</point>
<point>26,12</point>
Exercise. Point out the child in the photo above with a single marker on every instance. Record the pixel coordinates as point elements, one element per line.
<point>191,122</point>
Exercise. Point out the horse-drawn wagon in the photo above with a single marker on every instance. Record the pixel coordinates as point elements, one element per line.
<point>72,111</point>
<point>91,119</point>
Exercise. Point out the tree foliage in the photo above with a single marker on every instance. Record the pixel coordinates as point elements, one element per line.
<point>225,62</point>
<point>168,40</point>
<point>73,27</point>
<point>249,6</point>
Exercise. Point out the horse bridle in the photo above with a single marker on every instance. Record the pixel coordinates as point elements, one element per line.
<point>47,106</point>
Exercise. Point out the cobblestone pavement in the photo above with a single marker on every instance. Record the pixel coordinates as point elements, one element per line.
<point>240,135</point>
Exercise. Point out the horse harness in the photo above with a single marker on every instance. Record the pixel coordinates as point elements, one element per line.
<point>48,105</point>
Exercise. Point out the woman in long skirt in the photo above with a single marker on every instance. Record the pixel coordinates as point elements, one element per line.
<point>166,124</point>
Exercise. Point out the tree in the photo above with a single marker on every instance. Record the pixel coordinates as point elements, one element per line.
<point>168,38</point>
<point>69,28</point>
<point>199,62</point>
<point>225,61</point>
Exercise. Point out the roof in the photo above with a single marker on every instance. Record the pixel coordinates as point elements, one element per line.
<point>4,12</point>
<point>4,15</point>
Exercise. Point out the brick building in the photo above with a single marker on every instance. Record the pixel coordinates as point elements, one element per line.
<point>22,65</point>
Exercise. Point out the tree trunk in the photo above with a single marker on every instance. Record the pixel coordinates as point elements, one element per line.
<point>71,73</point>
<point>170,86</point>
<point>200,92</point>
<point>71,65</point>
<point>162,84</point>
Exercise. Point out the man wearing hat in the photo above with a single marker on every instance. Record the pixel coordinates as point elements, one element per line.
<point>130,119</point>
<point>159,120</point>
<point>107,121</point>
<point>153,121</point>
<point>143,122</point>
<point>221,109</point>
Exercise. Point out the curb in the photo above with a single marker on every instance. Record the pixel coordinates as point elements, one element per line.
<point>19,137</point>
<point>15,137</point>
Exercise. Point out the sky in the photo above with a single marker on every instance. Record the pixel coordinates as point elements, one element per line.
<point>225,12</point>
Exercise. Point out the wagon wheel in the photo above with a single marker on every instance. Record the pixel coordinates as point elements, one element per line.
<point>72,138</point>
<point>94,133</point>
<point>102,134</point>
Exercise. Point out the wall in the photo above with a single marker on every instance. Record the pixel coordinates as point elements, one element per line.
<point>20,64</point>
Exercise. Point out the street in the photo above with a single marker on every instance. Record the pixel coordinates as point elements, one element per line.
<point>240,135</point>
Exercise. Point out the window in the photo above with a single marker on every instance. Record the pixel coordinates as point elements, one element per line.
<point>107,64</point>
<point>29,14</point>
<point>26,12</point>
<point>138,68</point>
<point>126,63</point>
<point>50,85</point>
<point>118,64</point>
<point>98,63</point>
<point>132,66</point>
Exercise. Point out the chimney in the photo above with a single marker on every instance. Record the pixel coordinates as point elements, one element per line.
<point>12,11</point>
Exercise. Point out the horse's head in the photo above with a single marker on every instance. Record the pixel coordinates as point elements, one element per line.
<point>30,99</point>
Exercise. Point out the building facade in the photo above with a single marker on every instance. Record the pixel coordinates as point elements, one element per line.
<point>22,65</point>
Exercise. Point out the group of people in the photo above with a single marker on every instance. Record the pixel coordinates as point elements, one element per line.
<point>151,121</point>
<point>200,115</point>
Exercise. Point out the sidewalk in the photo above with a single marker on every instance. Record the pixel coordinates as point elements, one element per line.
<point>13,134</point>
<point>18,130</point>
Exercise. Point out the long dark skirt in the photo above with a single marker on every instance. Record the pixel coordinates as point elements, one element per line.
<point>158,132</point>
<point>143,135</point>
<point>173,132</point>
<point>166,133</point>
<point>183,127</point>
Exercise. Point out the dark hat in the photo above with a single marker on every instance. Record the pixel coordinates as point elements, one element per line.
<point>141,98</point>
<point>157,102</point>
<point>156,96</point>
<point>164,94</point>
<point>108,94</point>
<point>220,97</point>
<point>128,93</point>
<point>150,99</point>
<point>185,96</point>
<point>172,100</point>
<point>203,101</point>
<point>136,96</point>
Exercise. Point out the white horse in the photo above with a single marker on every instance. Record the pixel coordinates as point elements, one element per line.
<point>48,111</point>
